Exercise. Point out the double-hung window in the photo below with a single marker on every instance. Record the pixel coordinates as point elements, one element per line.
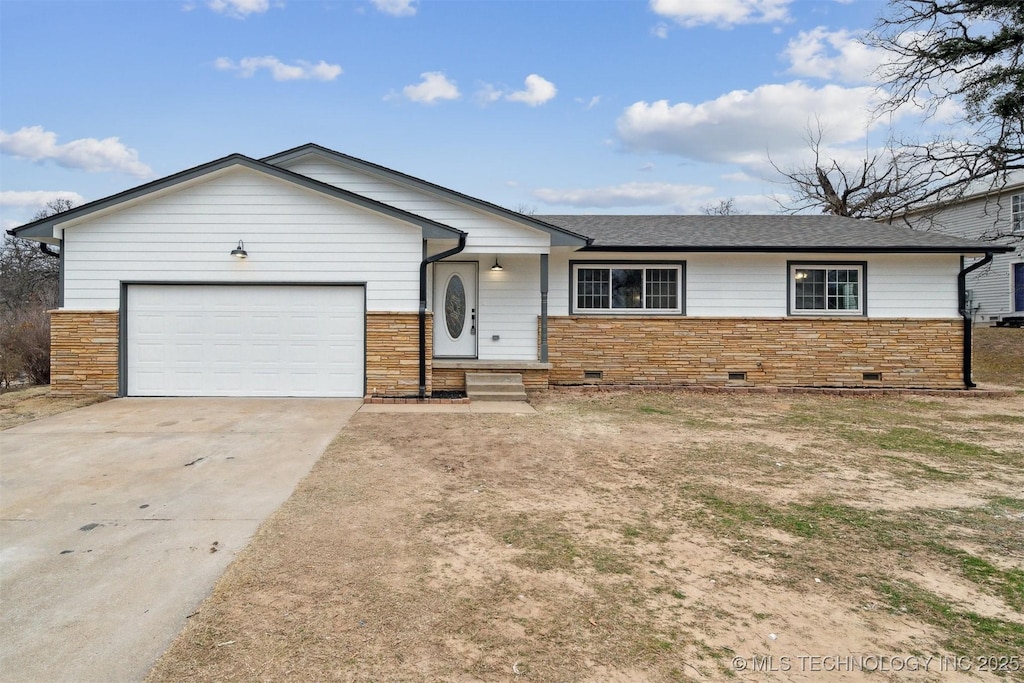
<point>627,288</point>
<point>826,289</point>
<point>1017,214</point>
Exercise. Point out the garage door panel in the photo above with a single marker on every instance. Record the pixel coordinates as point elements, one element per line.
<point>229,340</point>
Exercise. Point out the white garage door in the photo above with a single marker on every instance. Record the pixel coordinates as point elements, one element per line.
<point>230,340</point>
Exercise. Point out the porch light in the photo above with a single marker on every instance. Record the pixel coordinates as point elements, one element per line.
<point>239,251</point>
<point>497,266</point>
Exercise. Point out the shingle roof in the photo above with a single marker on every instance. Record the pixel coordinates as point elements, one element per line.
<point>759,233</point>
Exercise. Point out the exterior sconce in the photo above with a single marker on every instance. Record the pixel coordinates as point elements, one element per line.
<point>497,266</point>
<point>239,251</point>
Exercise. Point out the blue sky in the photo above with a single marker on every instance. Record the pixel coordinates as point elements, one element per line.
<point>580,106</point>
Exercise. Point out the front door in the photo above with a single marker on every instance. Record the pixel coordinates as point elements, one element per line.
<point>455,306</point>
<point>1018,286</point>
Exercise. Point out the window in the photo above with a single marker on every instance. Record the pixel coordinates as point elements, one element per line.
<point>1017,213</point>
<point>628,288</point>
<point>826,289</point>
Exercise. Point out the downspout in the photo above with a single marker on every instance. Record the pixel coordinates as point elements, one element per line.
<point>961,285</point>
<point>423,307</point>
<point>45,248</point>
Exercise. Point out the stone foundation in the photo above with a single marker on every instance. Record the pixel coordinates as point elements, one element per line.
<point>83,353</point>
<point>393,353</point>
<point>812,352</point>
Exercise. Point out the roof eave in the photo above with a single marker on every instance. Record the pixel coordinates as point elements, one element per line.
<point>995,248</point>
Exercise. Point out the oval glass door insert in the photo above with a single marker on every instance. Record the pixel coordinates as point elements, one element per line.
<point>455,306</point>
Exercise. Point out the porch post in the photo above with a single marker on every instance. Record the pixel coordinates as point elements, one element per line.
<point>543,308</point>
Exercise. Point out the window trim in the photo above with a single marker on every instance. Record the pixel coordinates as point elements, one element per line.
<point>791,309</point>
<point>1017,214</point>
<point>574,266</point>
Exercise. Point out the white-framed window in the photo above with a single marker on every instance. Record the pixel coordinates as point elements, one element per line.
<point>827,288</point>
<point>625,288</point>
<point>1017,213</point>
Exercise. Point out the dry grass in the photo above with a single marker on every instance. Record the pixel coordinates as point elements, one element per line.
<point>999,356</point>
<point>632,537</point>
<point>19,406</point>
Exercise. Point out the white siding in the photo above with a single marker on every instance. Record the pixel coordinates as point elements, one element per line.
<point>984,218</point>
<point>487,233</point>
<point>291,234</point>
<point>754,285</point>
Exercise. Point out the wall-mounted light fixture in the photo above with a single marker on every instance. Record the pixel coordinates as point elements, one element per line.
<point>239,251</point>
<point>497,266</point>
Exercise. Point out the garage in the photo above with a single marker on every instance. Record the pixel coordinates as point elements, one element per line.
<point>244,340</point>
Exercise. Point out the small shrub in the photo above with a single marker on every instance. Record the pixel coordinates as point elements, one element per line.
<point>25,346</point>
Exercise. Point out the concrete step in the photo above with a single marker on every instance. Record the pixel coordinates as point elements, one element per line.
<point>496,396</point>
<point>504,378</point>
<point>495,386</point>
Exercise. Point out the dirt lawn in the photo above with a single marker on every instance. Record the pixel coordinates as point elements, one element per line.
<point>19,406</point>
<point>639,537</point>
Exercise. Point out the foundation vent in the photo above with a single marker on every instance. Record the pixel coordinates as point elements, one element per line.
<point>872,377</point>
<point>740,376</point>
<point>593,374</point>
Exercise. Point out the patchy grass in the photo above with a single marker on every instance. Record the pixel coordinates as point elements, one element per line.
<point>632,537</point>
<point>25,405</point>
<point>999,356</point>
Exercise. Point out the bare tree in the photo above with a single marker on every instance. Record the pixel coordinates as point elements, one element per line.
<point>960,54</point>
<point>882,184</point>
<point>29,286</point>
<point>942,56</point>
<point>724,207</point>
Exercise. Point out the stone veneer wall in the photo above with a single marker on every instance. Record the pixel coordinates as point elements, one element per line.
<point>821,352</point>
<point>393,353</point>
<point>83,353</point>
<point>452,379</point>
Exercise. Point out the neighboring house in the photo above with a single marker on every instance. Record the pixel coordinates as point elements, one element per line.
<point>996,291</point>
<point>312,273</point>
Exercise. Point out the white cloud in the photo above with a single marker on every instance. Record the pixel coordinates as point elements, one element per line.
<point>722,13</point>
<point>660,30</point>
<point>37,199</point>
<point>832,55</point>
<point>741,126</point>
<point>279,71</point>
<point>89,154</point>
<point>677,196</point>
<point>647,168</point>
<point>737,177</point>
<point>26,203</point>
<point>589,104</point>
<point>396,8</point>
<point>435,86</point>
<point>239,9</point>
<point>487,94</point>
<point>538,91</point>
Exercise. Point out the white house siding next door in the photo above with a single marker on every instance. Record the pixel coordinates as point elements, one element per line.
<point>231,340</point>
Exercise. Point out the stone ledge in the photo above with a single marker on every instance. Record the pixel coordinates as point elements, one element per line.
<point>470,364</point>
<point>383,400</point>
<point>827,391</point>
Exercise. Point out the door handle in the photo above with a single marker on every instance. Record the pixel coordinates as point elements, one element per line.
<point>472,319</point>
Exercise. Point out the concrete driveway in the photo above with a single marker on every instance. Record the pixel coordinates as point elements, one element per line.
<point>117,519</point>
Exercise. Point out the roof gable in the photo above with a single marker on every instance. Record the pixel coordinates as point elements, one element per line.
<point>42,230</point>
<point>560,236</point>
